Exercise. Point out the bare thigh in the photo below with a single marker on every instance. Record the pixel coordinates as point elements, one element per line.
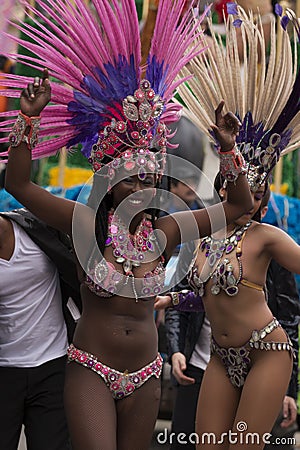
<point>217,406</point>
<point>262,395</point>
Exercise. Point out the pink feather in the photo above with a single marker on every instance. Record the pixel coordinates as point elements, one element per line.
<point>75,39</point>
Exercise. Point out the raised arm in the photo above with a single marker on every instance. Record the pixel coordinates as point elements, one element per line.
<point>190,225</point>
<point>53,210</point>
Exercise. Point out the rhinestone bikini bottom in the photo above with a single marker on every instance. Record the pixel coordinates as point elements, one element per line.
<point>237,360</point>
<point>120,384</point>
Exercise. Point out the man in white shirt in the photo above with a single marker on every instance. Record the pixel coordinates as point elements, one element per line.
<point>33,333</point>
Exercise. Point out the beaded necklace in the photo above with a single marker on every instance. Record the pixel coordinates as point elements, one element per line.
<point>222,272</point>
<point>129,250</point>
<point>215,248</point>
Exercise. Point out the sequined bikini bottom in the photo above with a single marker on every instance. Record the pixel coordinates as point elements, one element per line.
<point>120,384</point>
<point>237,360</point>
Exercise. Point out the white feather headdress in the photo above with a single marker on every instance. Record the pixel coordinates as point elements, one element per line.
<point>262,87</point>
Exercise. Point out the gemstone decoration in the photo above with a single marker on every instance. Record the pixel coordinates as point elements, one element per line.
<point>222,272</point>
<point>120,384</point>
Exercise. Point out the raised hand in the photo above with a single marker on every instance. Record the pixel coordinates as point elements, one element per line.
<point>36,96</point>
<point>226,128</point>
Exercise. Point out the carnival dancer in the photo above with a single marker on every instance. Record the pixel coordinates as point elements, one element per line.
<point>228,271</point>
<point>112,388</point>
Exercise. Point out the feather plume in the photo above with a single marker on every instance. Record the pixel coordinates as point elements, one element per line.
<point>263,93</point>
<point>93,52</point>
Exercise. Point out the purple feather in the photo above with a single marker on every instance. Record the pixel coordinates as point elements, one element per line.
<point>284,22</point>
<point>278,9</point>
<point>232,8</point>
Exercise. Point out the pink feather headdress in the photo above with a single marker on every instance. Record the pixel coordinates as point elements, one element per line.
<point>99,100</point>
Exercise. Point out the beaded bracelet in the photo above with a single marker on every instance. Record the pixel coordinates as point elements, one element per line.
<point>232,164</point>
<point>17,134</point>
<point>186,300</point>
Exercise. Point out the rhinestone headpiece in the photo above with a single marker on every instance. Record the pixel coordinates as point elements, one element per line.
<point>126,141</point>
<point>99,100</point>
<point>261,150</point>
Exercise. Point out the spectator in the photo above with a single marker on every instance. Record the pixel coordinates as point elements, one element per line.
<point>38,279</point>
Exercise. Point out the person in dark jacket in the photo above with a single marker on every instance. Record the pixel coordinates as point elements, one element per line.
<point>283,300</point>
<point>186,331</point>
<point>39,302</point>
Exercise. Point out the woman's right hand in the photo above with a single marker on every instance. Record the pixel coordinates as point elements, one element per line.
<point>36,96</point>
<point>162,302</point>
<point>226,128</point>
<point>178,368</point>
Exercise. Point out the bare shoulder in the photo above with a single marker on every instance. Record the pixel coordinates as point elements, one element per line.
<point>268,233</point>
<point>263,232</point>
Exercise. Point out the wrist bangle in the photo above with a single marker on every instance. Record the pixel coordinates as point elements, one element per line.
<point>174,298</point>
<point>187,301</point>
<point>232,164</point>
<point>17,134</point>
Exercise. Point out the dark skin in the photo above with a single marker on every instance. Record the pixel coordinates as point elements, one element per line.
<point>119,331</point>
<point>135,196</point>
<point>7,239</point>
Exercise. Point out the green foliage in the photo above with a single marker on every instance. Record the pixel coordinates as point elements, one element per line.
<point>139,7</point>
<point>74,159</point>
<point>290,173</point>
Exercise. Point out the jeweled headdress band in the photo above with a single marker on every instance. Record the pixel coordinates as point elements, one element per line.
<point>137,130</point>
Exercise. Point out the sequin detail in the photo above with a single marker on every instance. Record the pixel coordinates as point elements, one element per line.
<point>105,281</point>
<point>237,360</point>
<point>138,129</point>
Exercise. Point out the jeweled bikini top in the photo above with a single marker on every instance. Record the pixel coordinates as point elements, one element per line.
<point>109,282</point>
<point>221,272</point>
<point>105,280</point>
